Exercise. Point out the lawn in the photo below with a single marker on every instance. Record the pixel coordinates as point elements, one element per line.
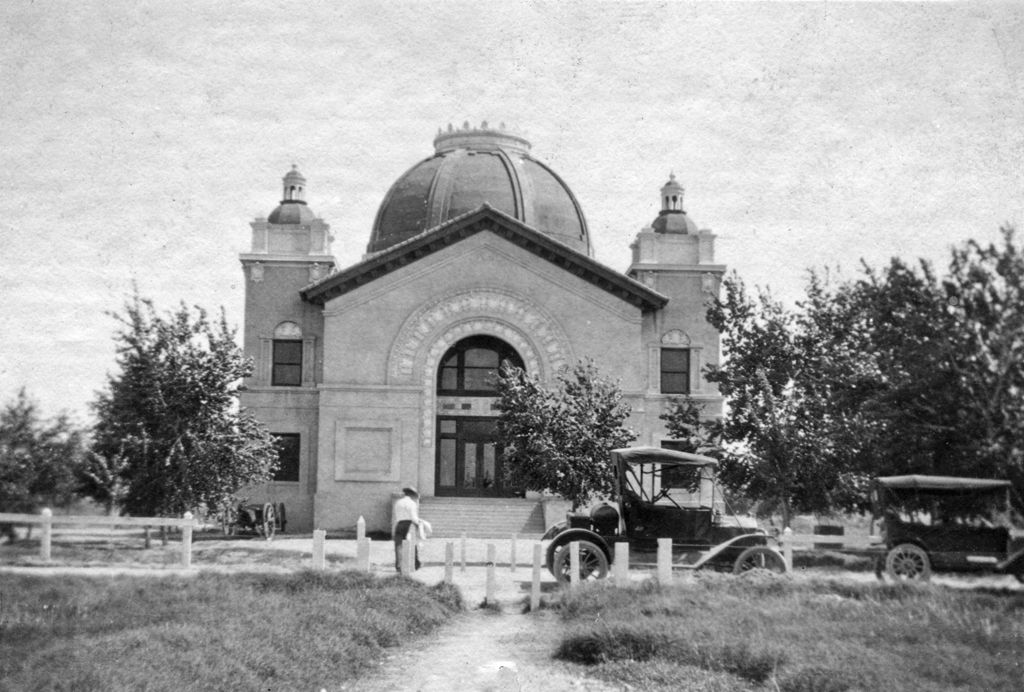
<point>760,632</point>
<point>209,631</point>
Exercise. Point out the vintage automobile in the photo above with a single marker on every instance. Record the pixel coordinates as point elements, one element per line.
<point>263,520</point>
<point>948,524</point>
<point>661,493</point>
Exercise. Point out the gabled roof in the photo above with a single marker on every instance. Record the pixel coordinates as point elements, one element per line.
<point>485,218</point>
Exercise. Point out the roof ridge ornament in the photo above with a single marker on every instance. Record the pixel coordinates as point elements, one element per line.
<point>482,138</point>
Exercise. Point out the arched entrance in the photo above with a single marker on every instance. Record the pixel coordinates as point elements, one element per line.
<point>468,459</point>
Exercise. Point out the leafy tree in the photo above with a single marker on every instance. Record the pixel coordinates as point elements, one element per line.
<point>38,458</point>
<point>559,440</point>
<point>169,426</point>
<point>782,436</point>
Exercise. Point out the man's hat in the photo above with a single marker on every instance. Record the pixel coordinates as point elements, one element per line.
<point>409,490</point>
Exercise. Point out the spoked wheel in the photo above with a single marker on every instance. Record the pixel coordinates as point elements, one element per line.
<point>267,525</point>
<point>759,557</point>
<point>908,562</point>
<point>593,563</point>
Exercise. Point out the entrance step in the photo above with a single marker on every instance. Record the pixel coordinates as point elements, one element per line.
<point>483,517</point>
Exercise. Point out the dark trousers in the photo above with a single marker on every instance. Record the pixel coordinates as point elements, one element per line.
<point>401,531</point>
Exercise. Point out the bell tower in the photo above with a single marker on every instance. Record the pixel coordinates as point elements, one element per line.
<point>291,249</point>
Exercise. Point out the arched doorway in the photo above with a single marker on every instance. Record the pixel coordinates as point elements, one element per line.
<point>468,458</point>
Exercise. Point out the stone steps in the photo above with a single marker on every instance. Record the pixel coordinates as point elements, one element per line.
<point>450,517</point>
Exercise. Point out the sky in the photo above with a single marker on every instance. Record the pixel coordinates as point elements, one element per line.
<point>139,139</point>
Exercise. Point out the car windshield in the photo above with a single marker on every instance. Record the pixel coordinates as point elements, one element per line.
<point>670,484</point>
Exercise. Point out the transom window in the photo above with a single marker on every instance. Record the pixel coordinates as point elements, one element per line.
<point>470,367</point>
<point>675,371</point>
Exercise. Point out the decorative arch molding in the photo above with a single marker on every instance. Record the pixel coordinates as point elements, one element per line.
<point>675,337</point>
<point>527,327</point>
<point>429,332</point>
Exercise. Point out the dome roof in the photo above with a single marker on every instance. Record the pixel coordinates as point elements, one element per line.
<point>291,212</point>
<point>470,167</point>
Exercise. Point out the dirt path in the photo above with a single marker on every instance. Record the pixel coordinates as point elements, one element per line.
<point>483,651</point>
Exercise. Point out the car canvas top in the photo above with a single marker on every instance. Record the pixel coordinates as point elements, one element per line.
<point>942,483</point>
<point>668,457</point>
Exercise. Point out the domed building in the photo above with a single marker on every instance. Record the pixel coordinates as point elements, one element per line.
<point>380,374</point>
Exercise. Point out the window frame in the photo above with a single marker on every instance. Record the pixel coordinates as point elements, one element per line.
<point>297,437</point>
<point>506,353</point>
<point>663,371</point>
<point>276,378</point>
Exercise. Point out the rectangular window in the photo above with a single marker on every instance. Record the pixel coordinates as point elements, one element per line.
<point>675,371</point>
<point>287,370</point>
<point>288,457</point>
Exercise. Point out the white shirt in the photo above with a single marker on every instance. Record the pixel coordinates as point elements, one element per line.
<point>406,509</point>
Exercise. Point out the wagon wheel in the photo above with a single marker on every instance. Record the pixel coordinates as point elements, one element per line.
<point>759,557</point>
<point>593,563</point>
<point>908,562</point>
<point>267,526</point>
<point>282,518</point>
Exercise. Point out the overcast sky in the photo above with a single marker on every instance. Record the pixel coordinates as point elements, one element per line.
<point>138,140</point>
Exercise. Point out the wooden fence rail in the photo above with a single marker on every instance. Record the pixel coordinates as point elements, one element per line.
<point>47,521</point>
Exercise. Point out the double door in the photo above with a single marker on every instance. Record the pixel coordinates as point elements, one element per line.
<point>469,458</point>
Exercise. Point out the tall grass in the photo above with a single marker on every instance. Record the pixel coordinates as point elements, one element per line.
<point>759,633</point>
<point>208,632</point>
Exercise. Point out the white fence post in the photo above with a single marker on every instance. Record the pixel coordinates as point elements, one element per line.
<point>489,597</point>
<point>449,559</point>
<point>665,560</point>
<point>621,564</point>
<point>319,558</point>
<point>462,553</point>
<point>360,528</point>
<point>363,555</point>
<point>535,583</point>
<point>787,548</point>
<point>186,541</point>
<point>47,538</point>
<point>512,554</point>
<point>574,563</point>
<point>409,551</point>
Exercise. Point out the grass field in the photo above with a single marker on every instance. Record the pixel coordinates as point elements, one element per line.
<point>768,633</point>
<point>207,632</point>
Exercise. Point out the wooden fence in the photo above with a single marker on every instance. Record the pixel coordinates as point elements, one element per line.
<point>47,521</point>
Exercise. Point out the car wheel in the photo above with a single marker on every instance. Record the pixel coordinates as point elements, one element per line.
<point>593,563</point>
<point>759,557</point>
<point>908,562</point>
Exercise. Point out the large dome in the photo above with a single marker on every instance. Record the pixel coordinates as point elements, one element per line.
<point>472,166</point>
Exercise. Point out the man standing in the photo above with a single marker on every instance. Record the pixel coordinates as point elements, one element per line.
<point>406,515</point>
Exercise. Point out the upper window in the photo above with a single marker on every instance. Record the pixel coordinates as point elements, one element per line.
<point>288,457</point>
<point>287,369</point>
<point>470,367</point>
<point>675,371</point>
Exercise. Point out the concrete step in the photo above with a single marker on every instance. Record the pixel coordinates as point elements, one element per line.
<point>475,517</point>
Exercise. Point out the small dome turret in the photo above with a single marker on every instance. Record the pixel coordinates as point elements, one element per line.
<point>292,209</point>
<point>672,218</point>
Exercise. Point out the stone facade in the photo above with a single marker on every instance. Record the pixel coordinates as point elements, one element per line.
<point>366,399</point>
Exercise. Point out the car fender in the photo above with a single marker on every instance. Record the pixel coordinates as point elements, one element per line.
<point>566,537</point>
<point>743,540</point>
<point>554,530</point>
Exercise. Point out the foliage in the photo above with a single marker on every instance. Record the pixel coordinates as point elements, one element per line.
<point>169,425</point>
<point>38,458</point>
<point>559,440</point>
<point>777,379</point>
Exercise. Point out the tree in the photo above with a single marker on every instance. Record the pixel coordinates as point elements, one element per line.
<point>38,458</point>
<point>782,434</point>
<point>169,424</point>
<point>559,440</point>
